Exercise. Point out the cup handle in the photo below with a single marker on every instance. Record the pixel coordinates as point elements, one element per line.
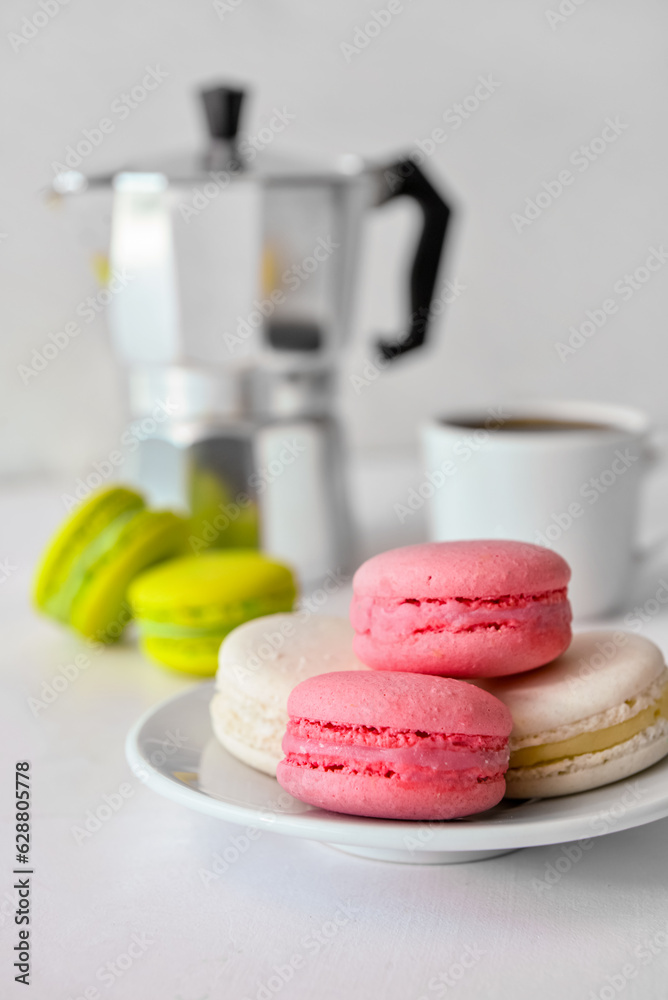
<point>655,453</point>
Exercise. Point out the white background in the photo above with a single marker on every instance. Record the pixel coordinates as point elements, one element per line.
<point>557,85</point>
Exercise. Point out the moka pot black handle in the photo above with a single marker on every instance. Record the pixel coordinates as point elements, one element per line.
<point>404,178</point>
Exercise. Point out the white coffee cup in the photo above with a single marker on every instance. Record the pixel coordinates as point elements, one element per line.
<point>561,474</point>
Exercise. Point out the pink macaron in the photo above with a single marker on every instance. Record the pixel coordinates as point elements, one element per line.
<point>462,609</point>
<point>395,745</point>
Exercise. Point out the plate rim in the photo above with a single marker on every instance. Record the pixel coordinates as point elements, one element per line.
<point>340,828</point>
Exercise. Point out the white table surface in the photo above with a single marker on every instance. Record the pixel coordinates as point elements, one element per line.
<point>351,928</point>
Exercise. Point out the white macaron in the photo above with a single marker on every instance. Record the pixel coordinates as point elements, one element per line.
<point>596,714</point>
<point>260,663</point>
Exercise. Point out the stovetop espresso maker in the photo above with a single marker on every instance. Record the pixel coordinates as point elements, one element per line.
<point>240,267</point>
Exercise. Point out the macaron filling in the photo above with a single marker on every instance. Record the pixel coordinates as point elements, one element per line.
<point>495,603</point>
<point>194,616</point>
<point>417,615</point>
<point>401,755</point>
<point>164,630</point>
<point>592,742</point>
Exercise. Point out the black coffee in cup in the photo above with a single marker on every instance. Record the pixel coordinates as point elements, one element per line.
<point>527,425</point>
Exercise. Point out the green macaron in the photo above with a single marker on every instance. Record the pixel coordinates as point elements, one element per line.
<point>185,607</point>
<point>85,572</point>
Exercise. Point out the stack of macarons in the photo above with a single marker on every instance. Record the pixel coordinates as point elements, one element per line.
<point>455,681</point>
<point>459,686</point>
<point>114,560</point>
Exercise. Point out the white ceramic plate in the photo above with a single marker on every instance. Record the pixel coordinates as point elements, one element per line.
<point>172,749</point>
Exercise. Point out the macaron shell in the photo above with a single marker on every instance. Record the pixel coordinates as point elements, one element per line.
<point>269,656</point>
<point>196,655</point>
<point>400,701</point>
<point>364,795</point>
<point>241,743</point>
<point>485,568</point>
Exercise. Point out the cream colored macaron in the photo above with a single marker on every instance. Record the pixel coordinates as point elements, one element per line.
<point>260,663</point>
<point>596,714</point>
